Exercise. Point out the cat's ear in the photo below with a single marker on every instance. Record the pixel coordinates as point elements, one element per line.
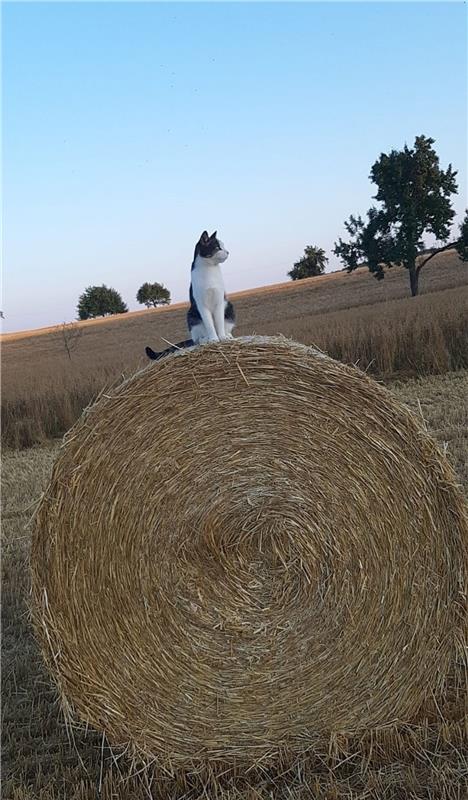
<point>204,237</point>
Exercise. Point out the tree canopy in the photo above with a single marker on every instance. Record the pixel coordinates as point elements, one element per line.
<point>415,199</point>
<point>153,294</point>
<point>99,301</point>
<point>312,263</point>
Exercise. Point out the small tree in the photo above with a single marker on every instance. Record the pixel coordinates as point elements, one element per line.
<point>71,335</point>
<point>153,294</point>
<point>99,301</point>
<point>414,193</point>
<point>312,263</point>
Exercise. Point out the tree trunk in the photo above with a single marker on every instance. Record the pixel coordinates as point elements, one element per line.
<point>414,279</point>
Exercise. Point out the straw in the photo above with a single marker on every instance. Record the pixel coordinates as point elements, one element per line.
<point>244,548</point>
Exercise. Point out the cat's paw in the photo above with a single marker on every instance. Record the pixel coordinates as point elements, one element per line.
<point>206,340</point>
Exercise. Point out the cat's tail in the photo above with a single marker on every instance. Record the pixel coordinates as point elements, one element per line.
<point>179,346</point>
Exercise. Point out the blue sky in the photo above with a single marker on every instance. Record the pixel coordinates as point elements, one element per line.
<point>128,128</point>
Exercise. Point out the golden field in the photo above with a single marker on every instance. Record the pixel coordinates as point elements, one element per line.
<point>354,318</point>
<point>418,346</point>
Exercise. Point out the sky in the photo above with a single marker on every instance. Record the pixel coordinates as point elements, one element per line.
<point>129,128</point>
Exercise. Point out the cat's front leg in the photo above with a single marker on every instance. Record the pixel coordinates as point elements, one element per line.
<point>219,322</point>
<point>208,322</point>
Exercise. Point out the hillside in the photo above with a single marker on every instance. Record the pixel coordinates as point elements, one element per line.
<point>355,318</point>
<point>333,291</point>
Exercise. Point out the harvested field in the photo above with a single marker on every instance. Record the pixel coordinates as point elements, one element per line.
<point>352,317</point>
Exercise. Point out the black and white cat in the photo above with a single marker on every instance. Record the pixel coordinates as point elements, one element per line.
<point>210,317</point>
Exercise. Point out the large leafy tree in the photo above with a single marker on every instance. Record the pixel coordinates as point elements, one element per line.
<point>153,294</point>
<point>99,301</point>
<point>415,199</point>
<point>312,263</point>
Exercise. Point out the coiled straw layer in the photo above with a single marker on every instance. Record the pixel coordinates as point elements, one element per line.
<point>245,547</point>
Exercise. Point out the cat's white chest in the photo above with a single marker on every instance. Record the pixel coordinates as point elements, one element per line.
<point>208,286</point>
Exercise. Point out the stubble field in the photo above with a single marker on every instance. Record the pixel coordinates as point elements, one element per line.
<point>352,317</point>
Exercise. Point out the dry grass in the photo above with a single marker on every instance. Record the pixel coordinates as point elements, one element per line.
<point>275,599</point>
<point>41,762</point>
<point>352,317</point>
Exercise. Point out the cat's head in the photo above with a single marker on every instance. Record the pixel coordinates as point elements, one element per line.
<point>211,247</point>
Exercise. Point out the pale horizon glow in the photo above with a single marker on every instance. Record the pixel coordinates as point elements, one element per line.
<point>128,128</point>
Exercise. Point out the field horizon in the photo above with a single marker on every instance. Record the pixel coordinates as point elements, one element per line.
<point>445,259</point>
<point>353,317</point>
<point>180,304</point>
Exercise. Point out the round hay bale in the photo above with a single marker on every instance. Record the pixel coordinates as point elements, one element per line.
<point>243,548</point>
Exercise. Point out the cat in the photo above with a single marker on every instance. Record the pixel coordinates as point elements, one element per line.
<point>211,316</point>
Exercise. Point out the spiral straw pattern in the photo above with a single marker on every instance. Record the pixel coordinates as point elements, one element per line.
<point>244,547</point>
